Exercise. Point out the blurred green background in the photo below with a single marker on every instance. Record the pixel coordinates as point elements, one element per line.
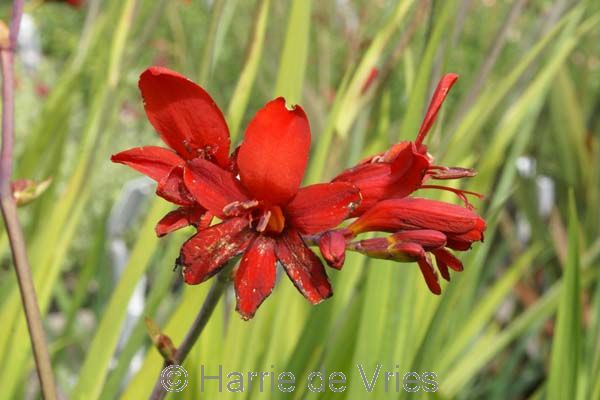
<point>522,320</point>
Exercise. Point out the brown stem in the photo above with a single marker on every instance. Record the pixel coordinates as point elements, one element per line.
<point>210,303</point>
<point>9,213</point>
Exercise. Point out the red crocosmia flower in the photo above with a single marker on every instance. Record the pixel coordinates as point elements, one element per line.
<point>264,212</point>
<point>405,166</point>
<point>192,126</point>
<point>419,226</point>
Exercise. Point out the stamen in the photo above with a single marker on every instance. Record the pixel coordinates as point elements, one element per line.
<point>459,192</point>
<point>450,172</point>
<point>263,221</point>
<point>237,208</point>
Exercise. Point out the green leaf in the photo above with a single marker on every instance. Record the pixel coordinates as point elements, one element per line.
<point>292,65</point>
<point>566,345</point>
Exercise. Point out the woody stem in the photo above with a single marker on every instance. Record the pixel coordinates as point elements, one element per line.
<point>210,303</point>
<point>9,211</point>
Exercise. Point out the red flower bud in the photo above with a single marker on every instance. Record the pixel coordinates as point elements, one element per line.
<point>388,249</point>
<point>333,248</point>
<point>417,213</point>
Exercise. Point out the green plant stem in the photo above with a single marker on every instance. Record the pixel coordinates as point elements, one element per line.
<point>210,303</point>
<point>9,213</point>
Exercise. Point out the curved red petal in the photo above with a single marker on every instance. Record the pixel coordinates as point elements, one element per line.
<point>172,188</point>
<point>185,116</point>
<point>440,93</point>
<point>274,153</point>
<point>213,187</point>
<point>152,161</point>
<point>303,267</point>
<point>255,277</point>
<point>205,253</point>
<point>323,206</point>
<point>182,217</point>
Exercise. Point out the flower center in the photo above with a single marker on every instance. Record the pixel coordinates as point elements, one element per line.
<point>271,220</point>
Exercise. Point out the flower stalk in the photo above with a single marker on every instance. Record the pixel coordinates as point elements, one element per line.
<point>9,211</point>
<point>210,303</point>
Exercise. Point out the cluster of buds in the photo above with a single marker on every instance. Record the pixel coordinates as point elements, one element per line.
<point>419,226</point>
<point>267,218</point>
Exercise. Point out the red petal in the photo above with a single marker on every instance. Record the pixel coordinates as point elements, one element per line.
<point>182,217</point>
<point>320,207</point>
<point>303,267</point>
<point>255,277</point>
<point>171,188</point>
<point>444,256</point>
<point>399,177</point>
<point>430,275</point>
<point>205,253</point>
<point>213,187</point>
<point>410,166</point>
<point>440,93</point>
<point>152,161</point>
<point>373,180</point>
<point>416,213</point>
<point>185,116</point>
<point>273,155</point>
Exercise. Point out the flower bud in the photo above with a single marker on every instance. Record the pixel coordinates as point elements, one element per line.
<point>26,190</point>
<point>388,249</point>
<point>333,248</point>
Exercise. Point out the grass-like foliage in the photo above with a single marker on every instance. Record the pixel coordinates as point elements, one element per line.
<point>521,321</point>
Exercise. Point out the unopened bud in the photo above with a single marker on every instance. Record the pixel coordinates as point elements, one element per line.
<point>333,248</point>
<point>163,343</point>
<point>429,239</point>
<point>26,190</point>
<point>388,249</point>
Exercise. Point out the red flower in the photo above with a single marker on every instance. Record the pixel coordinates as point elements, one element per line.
<point>190,123</point>
<point>405,166</point>
<point>264,212</point>
<point>267,218</point>
<point>420,226</point>
<point>255,191</point>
